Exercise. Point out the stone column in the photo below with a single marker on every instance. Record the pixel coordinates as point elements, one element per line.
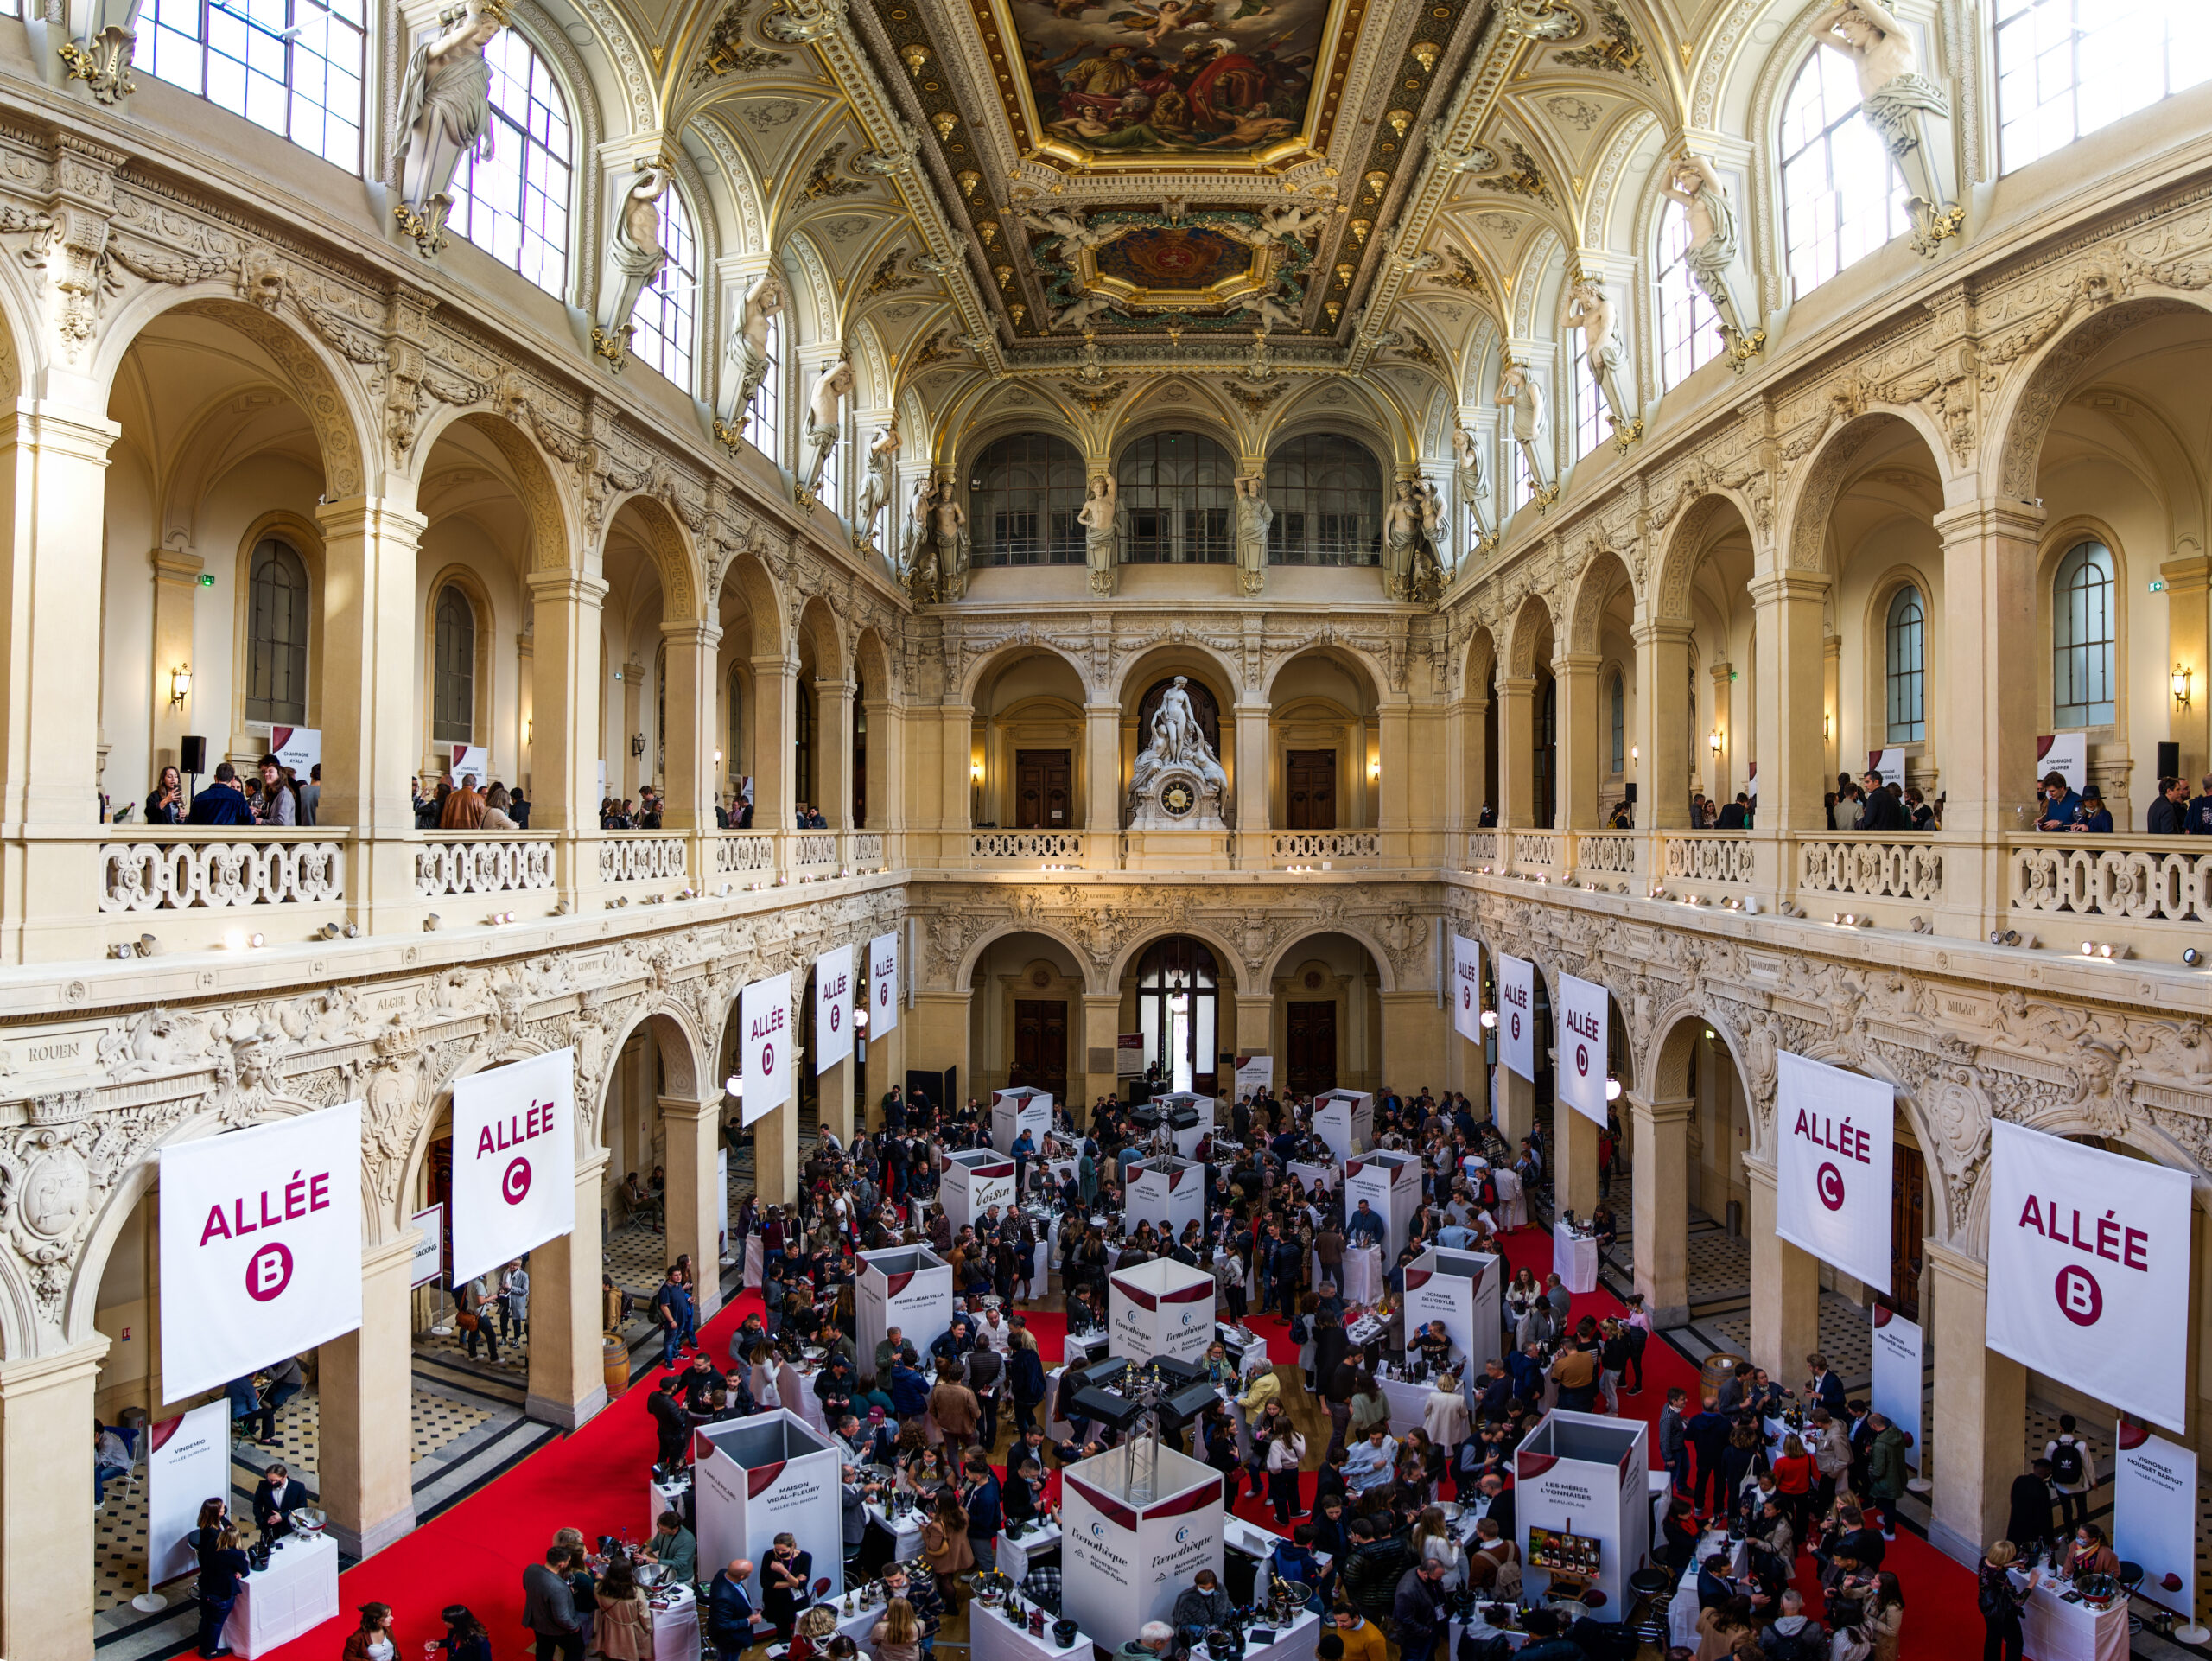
<point>1476,732</point>
<point>1574,1156</point>
<point>1785,1288</point>
<point>1659,1185</point>
<point>45,1492</point>
<point>1575,674</point>
<point>372,690</point>
<point>1721,766</point>
<point>1102,785</point>
<point>1790,695</point>
<point>2187,583</point>
<point>956,743</point>
<point>365,1451</point>
<point>775,1156</point>
<point>1517,1106</point>
<point>775,728</point>
<point>692,1130</point>
<point>833,1091</point>
<point>1662,680</point>
<point>568,1380</point>
<point>833,750</point>
<point>635,768</point>
<point>1516,760</point>
<point>1393,790</point>
<point>1981,1402</point>
<point>176,586</point>
<point>1255,790</point>
<point>1831,709</point>
<point>885,1068</point>
<point>689,740</point>
<point>886,769</point>
<point>566,730</point>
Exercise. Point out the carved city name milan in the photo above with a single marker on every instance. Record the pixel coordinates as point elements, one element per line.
<point>298,1196</point>
<point>1843,1137</point>
<point>2108,1238</point>
<point>516,1128</point>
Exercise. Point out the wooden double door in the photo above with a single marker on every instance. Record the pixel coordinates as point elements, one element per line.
<point>1309,789</point>
<point>1310,1047</point>
<point>1040,1046</point>
<point>1044,790</point>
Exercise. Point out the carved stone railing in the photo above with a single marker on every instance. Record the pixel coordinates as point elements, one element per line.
<point>2139,879</point>
<point>1544,847</point>
<point>1329,847</point>
<point>1026,846</point>
<point>745,853</point>
<point>866,847</point>
<point>1873,868</point>
<point>1708,856</point>
<point>222,868</point>
<point>1610,852</point>
<point>814,853</point>
<point>496,863</point>
<point>1484,848</point>
<point>639,857</point>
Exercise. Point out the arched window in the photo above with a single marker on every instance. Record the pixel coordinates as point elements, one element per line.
<point>664,317</point>
<point>1689,329</point>
<point>1024,496</point>
<point>2082,638</point>
<point>292,66</point>
<point>452,711</point>
<point>1906,667</point>
<point>1591,424</point>
<point>1545,779</point>
<point>277,636</point>
<point>1177,1000</point>
<point>764,428</point>
<point>1842,195</point>
<point>2067,68</point>
<point>511,193</point>
<point>1327,495</point>
<point>1178,501</point>
<point>1616,702</point>
<point>833,468</point>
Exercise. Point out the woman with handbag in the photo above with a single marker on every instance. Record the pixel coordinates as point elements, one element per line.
<point>470,1303</point>
<point>945,1548</point>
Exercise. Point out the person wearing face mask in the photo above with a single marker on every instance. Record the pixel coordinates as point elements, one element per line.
<point>2089,1554</point>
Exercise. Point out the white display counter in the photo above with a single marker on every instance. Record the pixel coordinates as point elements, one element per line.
<point>1168,1191</point>
<point>295,1594</point>
<point>675,1628</point>
<point>1345,1119</point>
<point>1583,1475</point>
<point>1127,1560</point>
<point>1020,1108</point>
<point>992,1637</point>
<point>1360,1277</point>
<point>663,1496</point>
<point>2055,1630</point>
<point>1574,1258</point>
<point>906,1286</point>
<point>1014,1555</point>
<point>906,1532</point>
<point>1461,1289</point>
<point>1160,1308</point>
<point>1408,1402</point>
<point>1390,1184</point>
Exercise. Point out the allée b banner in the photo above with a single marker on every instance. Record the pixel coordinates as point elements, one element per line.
<point>514,1160</point>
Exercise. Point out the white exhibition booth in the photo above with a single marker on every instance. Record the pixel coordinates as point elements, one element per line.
<point>974,1180</point>
<point>1461,1289</point>
<point>755,1478</point>
<point>1582,1501</point>
<point>906,1286</point>
<point>1125,1563</point>
<point>1184,1101</point>
<point>1015,1111</point>
<point>1345,1119</point>
<point>1168,1191</point>
<point>1160,1308</point>
<point>1390,1184</point>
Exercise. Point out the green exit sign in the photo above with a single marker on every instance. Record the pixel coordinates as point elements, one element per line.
<point>207,579</point>
<point>2158,585</point>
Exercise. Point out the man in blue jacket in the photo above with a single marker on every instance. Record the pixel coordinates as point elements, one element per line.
<point>222,802</point>
<point>978,1498</point>
<point>910,1391</point>
<point>729,1608</point>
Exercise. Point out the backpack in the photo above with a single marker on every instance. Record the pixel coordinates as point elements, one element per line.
<point>2066,1460</point>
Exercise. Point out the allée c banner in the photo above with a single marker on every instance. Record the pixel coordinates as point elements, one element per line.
<point>514,1160</point>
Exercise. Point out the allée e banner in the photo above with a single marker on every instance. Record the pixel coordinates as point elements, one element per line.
<point>1833,1133</point>
<point>833,1007</point>
<point>1467,988</point>
<point>514,1160</point>
<point>1580,1070</point>
<point>883,985</point>
<point>2089,1269</point>
<point>261,1245</point>
<point>764,1048</point>
<point>1517,1015</point>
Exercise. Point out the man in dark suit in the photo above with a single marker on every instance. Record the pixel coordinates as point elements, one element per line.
<point>222,802</point>
<point>1494,1500</point>
<point>549,1609</point>
<point>670,1424</point>
<point>1823,1382</point>
<point>729,1608</point>
<point>978,1498</point>
<point>280,1494</point>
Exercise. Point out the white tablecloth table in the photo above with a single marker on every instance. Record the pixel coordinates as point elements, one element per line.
<point>1360,1278</point>
<point>1574,1259</point>
<point>1014,1555</point>
<point>906,1532</point>
<point>1408,1402</point>
<point>295,1594</point>
<point>796,1388</point>
<point>2055,1630</point>
<point>1681,1608</point>
<point>676,1629</point>
<point>992,1637</point>
<point>755,1255</point>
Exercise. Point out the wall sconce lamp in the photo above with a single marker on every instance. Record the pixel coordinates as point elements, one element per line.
<point>2180,678</point>
<point>718,758</point>
<point>1713,738</point>
<point>637,743</point>
<point>1374,770</point>
<point>1828,725</point>
<point>530,729</point>
<point>180,685</point>
<point>1635,753</point>
<point>975,771</point>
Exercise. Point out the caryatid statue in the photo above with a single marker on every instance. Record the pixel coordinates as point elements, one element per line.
<point>1586,307</point>
<point>634,258</point>
<point>1255,516</point>
<point>875,489</point>
<point>949,521</point>
<point>824,422</point>
<point>1909,111</point>
<point>445,104</point>
<point>917,543</point>
<point>748,348</point>
<point>1517,391</point>
<point>1710,218</point>
<point>1427,583</point>
<point>1102,535</point>
<point>1401,539</point>
<point>1472,479</point>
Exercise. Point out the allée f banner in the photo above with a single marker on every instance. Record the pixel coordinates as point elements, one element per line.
<point>833,1007</point>
<point>261,1245</point>
<point>1835,1131</point>
<point>1517,1015</point>
<point>514,1160</point>
<point>1467,988</point>
<point>764,1047</point>
<point>883,985</point>
<point>2089,1262</point>
<point>1584,1031</point>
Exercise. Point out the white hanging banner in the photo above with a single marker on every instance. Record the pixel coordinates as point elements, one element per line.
<point>429,1264</point>
<point>1254,1072</point>
<point>1899,1378</point>
<point>1580,1070</point>
<point>2154,1516</point>
<point>298,748</point>
<point>764,1048</point>
<point>883,985</point>
<point>1833,1165</point>
<point>833,1007</point>
<point>187,1464</point>
<point>2088,1260</point>
<point>514,1160</point>
<point>260,1245</point>
<point>1517,1015</point>
<point>1467,988</point>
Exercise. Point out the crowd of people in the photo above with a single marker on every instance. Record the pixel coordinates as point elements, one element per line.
<point>271,794</point>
